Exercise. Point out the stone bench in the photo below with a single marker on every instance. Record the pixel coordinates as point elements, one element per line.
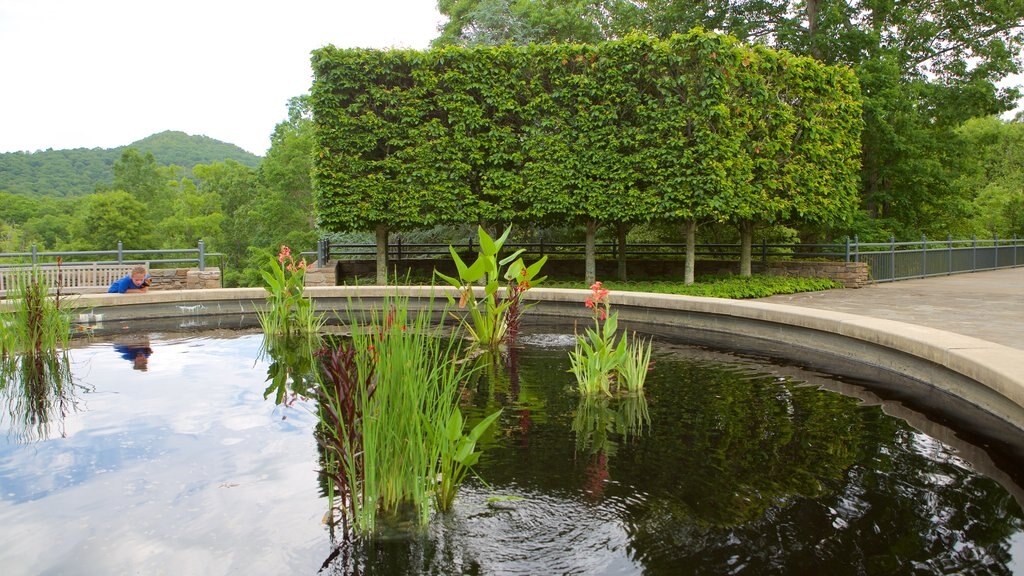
<point>75,278</point>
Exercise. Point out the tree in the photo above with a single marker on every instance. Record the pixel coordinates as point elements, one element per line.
<point>195,216</point>
<point>924,67</point>
<point>105,218</point>
<point>279,209</point>
<point>519,22</point>
<point>235,186</point>
<point>146,181</point>
<point>995,180</point>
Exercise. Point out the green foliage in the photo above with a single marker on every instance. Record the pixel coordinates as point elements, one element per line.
<point>106,217</point>
<point>35,322</point>
<point>613,133</point>
<point>75,173</point>
<point>288,311</point>
<point>457,454</point>
<point>757,286</point>
<point>923,68</point>
<point>995,180</point>
<point>601,365</point>
<point>490,316</point>
<point>407,447</point>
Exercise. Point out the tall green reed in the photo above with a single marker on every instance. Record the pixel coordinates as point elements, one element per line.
<point>391,424</point>
<point>32,321</point>
<point>35,370</point>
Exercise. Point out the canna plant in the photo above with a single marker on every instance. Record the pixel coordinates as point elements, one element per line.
<point>601,363</point>
<point>288,311</point>
<point>492,316</point>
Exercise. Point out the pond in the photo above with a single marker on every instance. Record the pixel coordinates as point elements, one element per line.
<point>169,460</point>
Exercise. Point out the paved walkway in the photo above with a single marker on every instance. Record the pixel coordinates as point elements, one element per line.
<point>986,305</point>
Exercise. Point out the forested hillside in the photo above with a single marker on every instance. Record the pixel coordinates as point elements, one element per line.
<point>169,191</point>
<point>72,173</point>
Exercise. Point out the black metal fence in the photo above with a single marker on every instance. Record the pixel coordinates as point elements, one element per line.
<point>191,256</point>
<point>888,261</point>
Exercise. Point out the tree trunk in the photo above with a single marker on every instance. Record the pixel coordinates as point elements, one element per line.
<point>690,227</point>
<point>382,255</point>
<point>813,8</point>
<point>590,275</point>
<point>620,237</point>
<point>746,237</point>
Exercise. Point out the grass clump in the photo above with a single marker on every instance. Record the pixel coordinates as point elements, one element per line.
<point>35,370</point>
<point>390,425</point>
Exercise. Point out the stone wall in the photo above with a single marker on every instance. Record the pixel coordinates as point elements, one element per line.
<point>317,276</point>
<point>850,274</point>
<point>184,278</point>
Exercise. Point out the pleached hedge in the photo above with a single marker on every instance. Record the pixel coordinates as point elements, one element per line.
<point>696,127</point>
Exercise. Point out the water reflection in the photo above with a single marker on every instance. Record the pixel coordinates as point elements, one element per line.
<point>290,372</point>
<point>38,393</point>
<point>135,350</point>
<point>728,468</point>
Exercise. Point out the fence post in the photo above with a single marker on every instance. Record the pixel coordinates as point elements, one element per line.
<point>35,255</point>
<point>541,244</point>
<point>202,255</point>
<point>398,256</point>
<point>321,251</point>
<point>856,248</point>
<point>120,252</point>
<point>892,257</point>
<point>847,248</point>
<point>995,245</point>
<point>924,256</point>
<point>764,251</point>
<point>949,240</point>
<point>974,253</point>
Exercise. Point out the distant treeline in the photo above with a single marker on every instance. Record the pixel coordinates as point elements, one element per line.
<point>69,173</point>
<point>167,191</point>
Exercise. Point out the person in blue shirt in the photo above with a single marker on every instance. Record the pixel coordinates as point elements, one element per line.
<point>136,282</point>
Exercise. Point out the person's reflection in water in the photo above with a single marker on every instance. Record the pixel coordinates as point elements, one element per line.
<point>137,352</point>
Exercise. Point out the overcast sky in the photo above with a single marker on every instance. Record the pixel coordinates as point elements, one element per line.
<point>105,73</point>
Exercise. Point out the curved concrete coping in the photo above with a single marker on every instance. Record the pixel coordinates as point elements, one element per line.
<point>987,375</point>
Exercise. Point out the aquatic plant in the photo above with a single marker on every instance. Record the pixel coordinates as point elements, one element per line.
<point>34,322</point>
<point>35,371</point>
<point>390,422</point>
<point>288,311</point>
<point>492,316</point>
<point>291,372</point>
<point>38,392</point>
<point>600,363</point>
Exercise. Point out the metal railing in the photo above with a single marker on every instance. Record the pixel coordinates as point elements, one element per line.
<point>893,260</point>
<point>399,250</point>
<point>888,261</point>
<point>192,256</point>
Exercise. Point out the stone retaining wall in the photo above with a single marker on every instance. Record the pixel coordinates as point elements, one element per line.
<point>184,278</point>
<point>850,274</point>
<point>317,276</point>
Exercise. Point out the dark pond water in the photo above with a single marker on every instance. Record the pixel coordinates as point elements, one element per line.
<point>170,461</point>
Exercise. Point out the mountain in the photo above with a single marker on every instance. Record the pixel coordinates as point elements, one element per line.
<point>66,173</point>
